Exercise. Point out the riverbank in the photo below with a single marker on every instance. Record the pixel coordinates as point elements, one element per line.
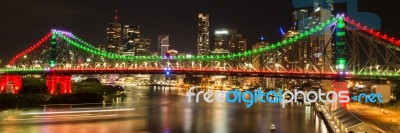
<point>318,109</point>
<point>10,101</point>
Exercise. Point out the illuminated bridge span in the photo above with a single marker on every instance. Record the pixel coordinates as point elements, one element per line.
<point>348,51</point>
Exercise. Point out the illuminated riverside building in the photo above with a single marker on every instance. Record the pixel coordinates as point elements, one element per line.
<point>142,47</point>
<point>113,37</point>
<point>203,37</point>
<point>163,44</point>
<point>131,35</point>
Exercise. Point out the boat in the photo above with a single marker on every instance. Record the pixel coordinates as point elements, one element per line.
<point>273,128</point>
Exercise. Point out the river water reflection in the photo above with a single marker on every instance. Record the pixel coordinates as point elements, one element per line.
<point>164,109</point>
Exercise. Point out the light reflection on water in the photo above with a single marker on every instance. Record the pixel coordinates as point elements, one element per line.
<point>164,109</point>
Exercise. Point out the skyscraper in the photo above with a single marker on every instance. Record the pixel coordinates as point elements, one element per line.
<point>229,41</point>
<point>203,45</point>
<point>131,34</point>
<point>323,4</point>
<point>300,19</point>
<point>142,46</point>
<point>163,44</point>
<point>236,43</point>
<point>317,50</point>
<point>322,51</point>
<point>320,42</point>
<point>114,35</point>
<point>221,40</point>
<point>291,54</point>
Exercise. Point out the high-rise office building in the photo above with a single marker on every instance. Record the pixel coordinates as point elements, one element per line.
<point>130,36</point>
<point>290,54</point>
<point>316,52</point>
<point>203,37</point>
<point>323,4</point>
<point>236,43</point>
<point>300,19</point>
<point>142,47</point>
<point>221,40</point>
<point>292,60</point>
<point>321,47</point>
<point>229,41</point>
<point>163,44</point>
<point>318,43</point>
<point>113,37</point>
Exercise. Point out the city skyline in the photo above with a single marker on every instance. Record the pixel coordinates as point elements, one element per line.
<point>154,66</point>
<point>182,27</point>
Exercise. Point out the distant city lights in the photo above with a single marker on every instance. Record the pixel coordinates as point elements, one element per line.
<point>219,32</point>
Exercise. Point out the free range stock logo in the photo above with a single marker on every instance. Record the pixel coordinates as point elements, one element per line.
<point>250,98</point>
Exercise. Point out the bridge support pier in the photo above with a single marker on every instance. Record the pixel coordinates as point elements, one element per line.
<point>59,84</point>
<point>10,84</point>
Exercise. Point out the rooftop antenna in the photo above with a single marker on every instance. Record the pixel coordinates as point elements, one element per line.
<point>116,15</point>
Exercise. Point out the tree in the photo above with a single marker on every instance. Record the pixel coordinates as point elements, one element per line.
<point>89,85</point>
<point>92,85</point>
<point>31,85</point>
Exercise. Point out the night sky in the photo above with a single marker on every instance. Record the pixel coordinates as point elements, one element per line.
<point>23,22</point>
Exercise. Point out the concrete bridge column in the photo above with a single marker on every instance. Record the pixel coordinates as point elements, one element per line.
<point>10,84</point>
<point>59,84</point>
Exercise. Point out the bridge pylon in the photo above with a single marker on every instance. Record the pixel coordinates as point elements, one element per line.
<point>59,84</point>
<point>10,83</point>
<point>341,61</point>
